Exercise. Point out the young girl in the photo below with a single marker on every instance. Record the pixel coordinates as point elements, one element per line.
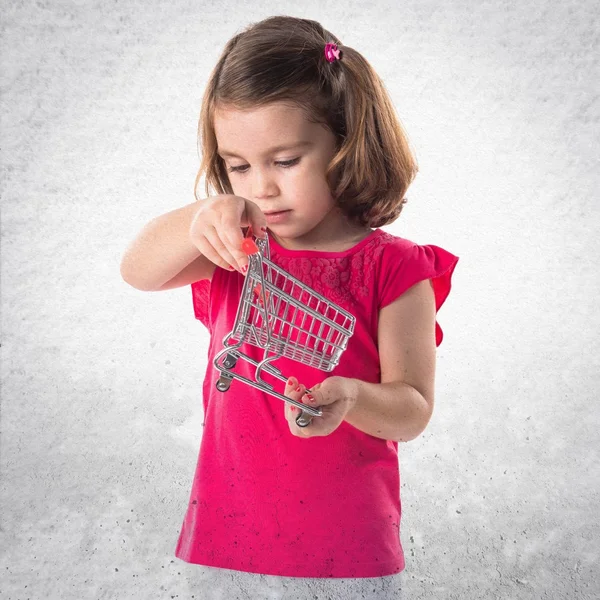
<point>300,142</point>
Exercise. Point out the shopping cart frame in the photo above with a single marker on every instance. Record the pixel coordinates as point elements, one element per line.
<point>259,323</point>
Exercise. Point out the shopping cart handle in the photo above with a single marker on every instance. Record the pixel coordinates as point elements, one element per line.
<point>249,247</point>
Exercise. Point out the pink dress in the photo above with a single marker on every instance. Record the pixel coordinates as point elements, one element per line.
<point>266,501</point>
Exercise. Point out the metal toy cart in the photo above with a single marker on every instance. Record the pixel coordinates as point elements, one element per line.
<point>284,317</point>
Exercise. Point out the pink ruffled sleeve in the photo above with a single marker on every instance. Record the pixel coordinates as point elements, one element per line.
<point>405,264</point>
<point>201,301</point>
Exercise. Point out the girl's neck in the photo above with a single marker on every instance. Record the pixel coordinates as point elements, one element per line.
<point>340,236</point>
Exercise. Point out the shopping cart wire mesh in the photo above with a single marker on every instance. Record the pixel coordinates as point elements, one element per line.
<point>286,318</point>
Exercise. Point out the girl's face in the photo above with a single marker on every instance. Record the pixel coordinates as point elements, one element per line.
<point>277,159</point>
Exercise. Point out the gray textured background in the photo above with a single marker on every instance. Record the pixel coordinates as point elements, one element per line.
<point>101,384</point>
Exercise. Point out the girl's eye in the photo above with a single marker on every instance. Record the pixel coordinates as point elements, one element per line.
<point>286,164</point>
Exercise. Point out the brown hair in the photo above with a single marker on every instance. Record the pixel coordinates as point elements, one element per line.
<point>282,59</point>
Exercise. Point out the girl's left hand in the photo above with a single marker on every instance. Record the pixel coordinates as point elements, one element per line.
<point>335,396</point>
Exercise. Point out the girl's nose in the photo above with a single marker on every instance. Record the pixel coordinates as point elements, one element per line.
<point>263,185</point>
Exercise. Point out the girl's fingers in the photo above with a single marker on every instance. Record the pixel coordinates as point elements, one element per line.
<point>295,391</point>
<point>224,252</point>
<point>231,234</point>
<point>216,230</point>
<point>206,249</point>
<point>210,246</point>
<point>290,385</point>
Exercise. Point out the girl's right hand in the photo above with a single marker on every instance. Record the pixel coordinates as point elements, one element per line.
<point>216,229</point>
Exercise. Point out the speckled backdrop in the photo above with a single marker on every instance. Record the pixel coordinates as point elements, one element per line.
<point>101,384</point>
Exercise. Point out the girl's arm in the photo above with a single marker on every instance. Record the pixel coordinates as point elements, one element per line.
<point>400,407</point>
<point>162,256</point>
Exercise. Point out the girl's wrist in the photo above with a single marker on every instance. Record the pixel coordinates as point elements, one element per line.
<point>351,392</point>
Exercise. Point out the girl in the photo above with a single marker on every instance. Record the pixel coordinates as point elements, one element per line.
<point>300,142</point>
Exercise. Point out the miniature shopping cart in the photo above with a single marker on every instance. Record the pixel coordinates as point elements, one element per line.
<point>284,317</point>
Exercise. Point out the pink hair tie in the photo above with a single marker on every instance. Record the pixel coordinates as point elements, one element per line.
<point>331,52</point>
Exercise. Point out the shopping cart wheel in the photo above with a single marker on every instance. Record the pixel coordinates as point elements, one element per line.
<point>303,419</point>
<point>229,361</point>
<point>224,382</point>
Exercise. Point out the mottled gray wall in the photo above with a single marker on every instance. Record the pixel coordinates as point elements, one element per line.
<point>101,407</point>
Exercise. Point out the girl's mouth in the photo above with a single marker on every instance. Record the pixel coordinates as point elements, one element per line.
<point>277,217</point>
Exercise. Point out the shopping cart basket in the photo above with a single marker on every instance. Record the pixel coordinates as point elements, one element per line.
<point>284,317</point>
